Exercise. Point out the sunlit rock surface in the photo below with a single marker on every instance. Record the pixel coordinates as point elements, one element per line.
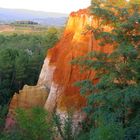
<point>76,41</point>
<point>28,97</point>
<point>58,75</point>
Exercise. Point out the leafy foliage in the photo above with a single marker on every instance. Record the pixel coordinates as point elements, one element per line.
<point>33,124</point>
<point>3,113</point>
<point>21,59</point>
<point>113,102</point>
<point>65,127</point>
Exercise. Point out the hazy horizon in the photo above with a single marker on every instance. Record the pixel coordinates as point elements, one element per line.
<point>61,6</point>
<point>23,9</point>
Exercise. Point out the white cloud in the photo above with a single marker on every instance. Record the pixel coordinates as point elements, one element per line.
<point>63,6</point>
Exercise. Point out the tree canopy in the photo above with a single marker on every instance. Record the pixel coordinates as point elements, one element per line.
<point>113,103</point>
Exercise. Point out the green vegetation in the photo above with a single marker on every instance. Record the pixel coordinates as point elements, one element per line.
<point>31,125</point>
<point>3,114</point>
<point>65,127</point>
<point>113,110</point>
<point>37,124</point>
<point>113,103</point>
<point>21,59</point>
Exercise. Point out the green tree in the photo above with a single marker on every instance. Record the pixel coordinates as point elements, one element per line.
<point>21,64</point>
<point>113,103</point>
<point>7,73</point>
<point>3,114</point>
<point>64,127</point>
<point>32,124</point>
<point>21,59</point>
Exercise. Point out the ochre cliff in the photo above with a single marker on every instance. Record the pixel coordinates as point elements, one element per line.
<point>58,75</point>
<point>76,41</point>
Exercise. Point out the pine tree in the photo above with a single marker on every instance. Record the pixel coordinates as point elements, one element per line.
<point>113,103</point>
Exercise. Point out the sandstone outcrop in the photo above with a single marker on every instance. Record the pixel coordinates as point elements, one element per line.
<point>58,75</point>
<point>28,97</point>
<point>76,41</point>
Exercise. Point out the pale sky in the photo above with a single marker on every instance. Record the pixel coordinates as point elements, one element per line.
<point>61,6</point>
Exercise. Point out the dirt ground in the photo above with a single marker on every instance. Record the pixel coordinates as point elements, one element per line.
<point>6,28</point>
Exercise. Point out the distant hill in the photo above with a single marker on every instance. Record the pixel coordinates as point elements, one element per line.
<point>45,18</point>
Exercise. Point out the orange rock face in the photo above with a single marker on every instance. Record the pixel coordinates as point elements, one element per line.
<point>28,97</point>
<point>76,41</point>
<point>58,75</point>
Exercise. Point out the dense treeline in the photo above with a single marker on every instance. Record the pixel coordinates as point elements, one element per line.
<point>27,22</point>
<point>21,59</point>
